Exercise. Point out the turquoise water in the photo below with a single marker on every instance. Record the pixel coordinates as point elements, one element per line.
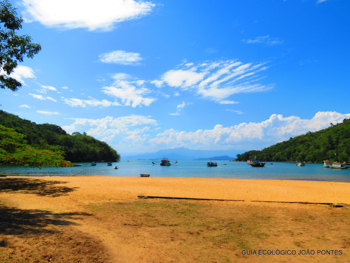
<point>225,169</point>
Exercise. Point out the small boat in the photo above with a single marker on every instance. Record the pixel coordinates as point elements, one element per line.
<point>327,164</point>
<point>212,164</point>
<point>109,164</point>
<point>338,166</point>
<point>257,163</point>
<point>116,167</point>
<point>93,164</point>
<point>300,164</point>
<point>145,175</point>
<point>165,162</point>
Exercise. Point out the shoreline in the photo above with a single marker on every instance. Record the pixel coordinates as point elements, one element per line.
<point>266,190</point>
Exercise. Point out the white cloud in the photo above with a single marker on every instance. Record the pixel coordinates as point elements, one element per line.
<point>217,80</point>
<point>179,108</point>
<point>124,130</point>
<point>73,102</point>
<point>46,88</point>
<point>49,88</point>
<point>249,135</point>
<point>48,112</point>
<point>89,14</point>
<point>41,97</point>
<point>157,83</point>
<point>235,111</point>
<point>121,57</point>
<point>136,133</point>
<point>25,106</point>
<point>20,73</point>
<point>267,40</point>
<point>228,102</point>
<point>182,78</point>
<point>126,91</point>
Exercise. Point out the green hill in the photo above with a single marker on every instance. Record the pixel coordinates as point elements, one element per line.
<point>77,147</point>
<point>332,143</point>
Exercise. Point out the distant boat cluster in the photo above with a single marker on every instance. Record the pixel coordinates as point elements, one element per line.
<point>252,162</point>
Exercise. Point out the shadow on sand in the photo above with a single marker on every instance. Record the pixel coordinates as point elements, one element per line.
<point>14,221</point>
<point>34,186</point>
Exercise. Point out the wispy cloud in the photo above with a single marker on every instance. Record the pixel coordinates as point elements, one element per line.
<point>235,111</point>
<point>179,108</point>
<point>121,57</point>
<point>48,112</point>
<point>41,97</point>
<point>217,80</point>
<point>74,102</point>
<point>45,88</point>
<point>267,40</point>
<point>25,106</point>
<point>129,92</point>
<point>69,14</point>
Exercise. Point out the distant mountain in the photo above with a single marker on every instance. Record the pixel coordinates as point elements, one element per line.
<point>183,154</point>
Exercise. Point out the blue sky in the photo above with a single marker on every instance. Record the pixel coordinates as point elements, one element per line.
<point>205,75</point>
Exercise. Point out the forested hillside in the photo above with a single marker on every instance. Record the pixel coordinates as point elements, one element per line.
<point>77,147</point>
<point>332,143</point>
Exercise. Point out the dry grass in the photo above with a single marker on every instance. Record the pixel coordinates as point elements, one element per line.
<point>187,231</point>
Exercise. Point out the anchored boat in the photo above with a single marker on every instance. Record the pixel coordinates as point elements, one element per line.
<point>212,164</point>
<point>165,162</point>
<point>338,166</point>
<point>257,163</point>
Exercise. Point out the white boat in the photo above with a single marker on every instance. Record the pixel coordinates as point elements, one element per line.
<point>338,166</point>
<point>300,164</point>
<point>326,164</point>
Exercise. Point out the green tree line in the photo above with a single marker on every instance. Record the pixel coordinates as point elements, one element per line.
<point>331,144</point>
<point>76,147</point>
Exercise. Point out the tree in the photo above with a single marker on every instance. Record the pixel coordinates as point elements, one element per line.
<point>14,150</point>
<point>13,47</point>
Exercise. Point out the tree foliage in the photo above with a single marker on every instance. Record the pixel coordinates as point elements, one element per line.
<point>15,150</point>
<point>13,47</point>
<point>77,147</point>
<point>331,144</point>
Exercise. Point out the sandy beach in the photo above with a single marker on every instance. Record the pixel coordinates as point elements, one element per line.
<point>104,220</point>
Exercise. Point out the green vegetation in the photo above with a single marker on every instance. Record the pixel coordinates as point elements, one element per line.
<point>14,150</point>
<point>331,144</point>
<point>13,47</point>
<point>76,148</point>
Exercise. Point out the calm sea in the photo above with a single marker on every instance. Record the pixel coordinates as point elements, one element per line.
<point>199,169</point>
